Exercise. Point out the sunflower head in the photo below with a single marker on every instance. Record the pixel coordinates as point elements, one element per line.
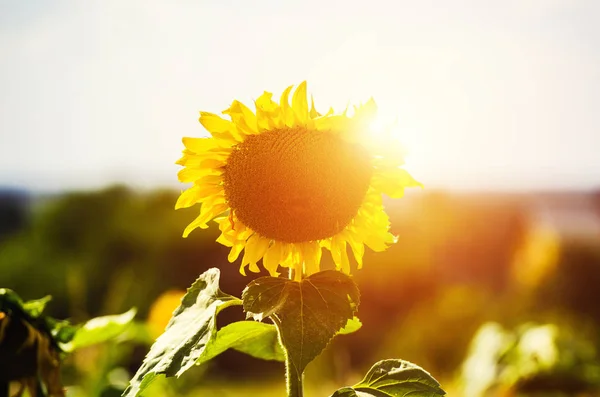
<point>286,181</point>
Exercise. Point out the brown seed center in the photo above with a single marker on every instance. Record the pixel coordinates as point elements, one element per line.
<point>294,185</point>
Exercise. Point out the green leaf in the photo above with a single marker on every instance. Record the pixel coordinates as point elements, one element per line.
<point>308,313</point>
<point>10,301</point>
<point>32,312</point>
<point>63,332</point>
<point>394,378</point>
<point>36,307</point>
<point>192,327</point>
<point>351,326</point>
<point>347,392</point>
<point>101,329</point>
<point>258,340</point>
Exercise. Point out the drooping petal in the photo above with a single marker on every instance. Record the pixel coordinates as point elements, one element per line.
<point>340,254</point>
<point>235,252</point>
<point>207,213</point>
<point>311,253</point>
<point>256,247</point>
<point>358,249</point>
<point>196,194</point>
<point>272,258</point>
<point>187,198</point>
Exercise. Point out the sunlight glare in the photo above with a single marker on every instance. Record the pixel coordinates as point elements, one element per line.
<point>386,134</point>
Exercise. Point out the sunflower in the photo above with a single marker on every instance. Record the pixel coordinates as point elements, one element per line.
<point>286,181</point>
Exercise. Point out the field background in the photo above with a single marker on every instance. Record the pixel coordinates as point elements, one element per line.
<point>462,260</point>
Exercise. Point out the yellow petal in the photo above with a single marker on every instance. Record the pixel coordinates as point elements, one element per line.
<point>198,193</point>
<point>358,249</point>
<point>206,214</point>
<point>335,124</point>
<point>367,111</point>
<point>272,258</point>
<point>311,253</point>
<point>193,174</point>
<point>197,160</point>
<point>287,113</point>
<point>266,103</point>
<point>221,129</point>
<point>300,105</point>
<point>225,239</point>
<point>377,225</point>
<point>256,247</point>
<point>199,145</point>
<point>339,254</point>
<point>267,112</point>
<point>243,118</point>
<point>393,182</point>
<point>210,180</point>
<point>215,199</point>
<point>379,244</point>
<point>236,249</point>
<point>187,198</point>
<point>287,255</point>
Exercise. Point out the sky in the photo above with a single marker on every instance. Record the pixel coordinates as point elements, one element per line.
<point>487,94</point>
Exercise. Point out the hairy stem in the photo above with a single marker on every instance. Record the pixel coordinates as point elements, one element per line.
<point>293,379</point>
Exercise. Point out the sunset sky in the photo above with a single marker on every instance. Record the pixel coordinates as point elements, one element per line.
<point>488,94</point>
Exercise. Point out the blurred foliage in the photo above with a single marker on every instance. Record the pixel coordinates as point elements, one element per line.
<point>460,261</point>
<point>530,360</point>
<point>32,344</point>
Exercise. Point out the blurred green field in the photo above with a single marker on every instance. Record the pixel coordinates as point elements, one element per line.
<point>507,263</point>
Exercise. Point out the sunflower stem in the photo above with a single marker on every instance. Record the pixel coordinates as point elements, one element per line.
<point>295,387</point>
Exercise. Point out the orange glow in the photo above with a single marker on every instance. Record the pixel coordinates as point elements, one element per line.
<point>162,310</point>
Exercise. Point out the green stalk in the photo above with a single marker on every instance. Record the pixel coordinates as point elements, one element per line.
<point>294,379</point>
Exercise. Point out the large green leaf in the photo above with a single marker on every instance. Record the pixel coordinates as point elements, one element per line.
<point>101,329</point>
<point>192,327</point>
<point>394,378</point>
<point>259,340</point>
<point>308,313</point>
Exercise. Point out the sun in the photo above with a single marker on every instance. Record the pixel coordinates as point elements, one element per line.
<point>388,136</point>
